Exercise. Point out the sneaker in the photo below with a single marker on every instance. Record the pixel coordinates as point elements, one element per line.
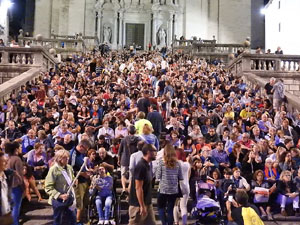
<point>283,212</point>
<point>106,222</point>
<point>112,222</point>
<point>100,222</point>
<point>264,217</point>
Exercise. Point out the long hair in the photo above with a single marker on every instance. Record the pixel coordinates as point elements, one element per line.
<point>170,157</point>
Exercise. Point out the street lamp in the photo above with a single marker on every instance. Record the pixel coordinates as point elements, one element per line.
<point>4,25</point>
<point>263,11</point>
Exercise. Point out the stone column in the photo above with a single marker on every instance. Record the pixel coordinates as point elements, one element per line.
<point>175,28</point>
<point>170,30</point>
<point>154,30</point>
<point>100,17</point>
<point>121,31</point>
<point>115,31</point>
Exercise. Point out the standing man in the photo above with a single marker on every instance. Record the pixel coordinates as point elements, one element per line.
<point>127,147</point>
<point>76,160</point>
<point>269,89</point>
<point>156,120</point>
<point>143,104</point>
<point>140,200</point>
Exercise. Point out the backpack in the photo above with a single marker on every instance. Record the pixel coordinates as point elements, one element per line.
<point>250,217</point>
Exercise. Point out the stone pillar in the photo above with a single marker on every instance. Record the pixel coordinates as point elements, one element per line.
<point>154,30</point>
<point>100,17</point>
<point>170,30</point>
<point>115,31</point>
<point>121,31</point>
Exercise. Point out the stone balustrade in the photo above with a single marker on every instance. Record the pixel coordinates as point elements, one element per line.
<point>60,45</point>
<point>191,41</point>
<point>19,65</point>
<point>26,57</point>
<point>247,62</point>
<point>63,43</point>
<point>208,49</point>
<point>257,69</point>
<point>14,84</point>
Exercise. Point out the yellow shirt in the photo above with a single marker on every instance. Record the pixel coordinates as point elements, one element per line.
<point>244,114</point>
<point>139,125</point>
<point>229,115</point>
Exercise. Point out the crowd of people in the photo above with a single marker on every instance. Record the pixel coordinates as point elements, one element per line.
<point>172,119</point>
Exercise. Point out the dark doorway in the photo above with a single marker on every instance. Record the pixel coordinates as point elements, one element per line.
<point>135,35</point>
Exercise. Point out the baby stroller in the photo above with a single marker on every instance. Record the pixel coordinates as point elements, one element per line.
<point>207,209</point>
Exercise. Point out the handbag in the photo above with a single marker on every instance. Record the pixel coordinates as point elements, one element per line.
<point>60,204</point>
<point>6,219</point>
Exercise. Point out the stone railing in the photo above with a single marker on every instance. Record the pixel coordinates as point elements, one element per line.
<point>265,63</point>
<point>256,69</point>
<point>63,43</point>
<point>89,41</point>
<point>254,81</point>
<point>26,57</point>
<point>208,50</point>
<point>14,84</point>
<point>19,65</point>
<point>216,48</point>
<point>191,41</point>
<point>60,45</point>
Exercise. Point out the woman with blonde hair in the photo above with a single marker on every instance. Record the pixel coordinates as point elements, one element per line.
<point>288,192</point>
<point>57,183</point>
<point>148,137</point>
<point>169,175</point>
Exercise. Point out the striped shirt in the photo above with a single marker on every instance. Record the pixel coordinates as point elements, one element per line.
<point>168,178</point>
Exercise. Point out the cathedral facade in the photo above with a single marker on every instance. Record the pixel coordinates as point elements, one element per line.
<point>121,23</point>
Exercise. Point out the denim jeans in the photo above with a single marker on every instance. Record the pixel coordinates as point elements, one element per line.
<point>64,216</point>
<point>165,204</point>
<point>107,205</point>
<point>17,193</point>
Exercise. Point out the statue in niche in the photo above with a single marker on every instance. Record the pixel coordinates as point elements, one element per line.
<point>107,34</point>
<point>162,37</point>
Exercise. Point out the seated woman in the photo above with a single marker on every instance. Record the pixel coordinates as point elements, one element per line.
<point>261,200</point>
<point>188,146</point>
<point>29,183</point>
<point>174,139</point>
<point>287,192</point>
<point>91,163</point>
<point>37,158</point>
<point>103,185</point>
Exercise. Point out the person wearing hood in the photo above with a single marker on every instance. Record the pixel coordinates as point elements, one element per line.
<point>127,147</point>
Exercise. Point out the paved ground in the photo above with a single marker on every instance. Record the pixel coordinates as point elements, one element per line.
<point>40,213</point>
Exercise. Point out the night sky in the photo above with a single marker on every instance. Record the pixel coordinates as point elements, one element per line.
<point>17,16</point>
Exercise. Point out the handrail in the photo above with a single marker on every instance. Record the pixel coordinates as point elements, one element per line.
<point>247,62</point>
<point>252,80</point>
<point>14,84</point>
